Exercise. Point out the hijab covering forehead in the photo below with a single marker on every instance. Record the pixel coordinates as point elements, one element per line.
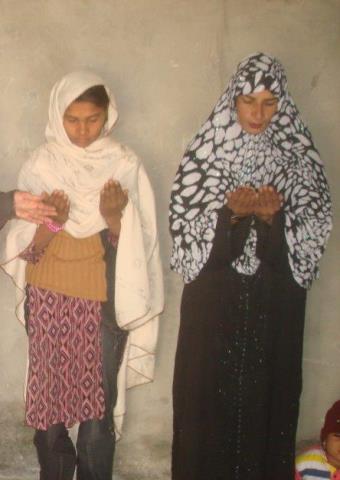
<point>257,73</point>
<point>223,157</point>
<point>81,173</point>
<point>64,92</point>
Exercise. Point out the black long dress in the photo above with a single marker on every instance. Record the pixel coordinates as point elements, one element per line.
<point>237,377</point>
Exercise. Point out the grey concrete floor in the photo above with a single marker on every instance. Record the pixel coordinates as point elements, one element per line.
<point>125,468</point>
<point>130,464</point>
<point>146,459</point>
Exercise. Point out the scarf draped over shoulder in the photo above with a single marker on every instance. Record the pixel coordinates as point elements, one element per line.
<point>81,173</point>
<point>222,157</point>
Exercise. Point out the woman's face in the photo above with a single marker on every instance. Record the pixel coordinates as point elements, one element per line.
<point>83,122</point>
<point>255,111</point>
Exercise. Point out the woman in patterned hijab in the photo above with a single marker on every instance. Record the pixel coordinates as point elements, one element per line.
<point>250,217</point>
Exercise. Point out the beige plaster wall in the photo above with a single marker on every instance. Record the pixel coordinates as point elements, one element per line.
<point>167,62</point>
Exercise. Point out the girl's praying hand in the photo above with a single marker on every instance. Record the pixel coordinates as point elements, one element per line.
<point>113,200</point>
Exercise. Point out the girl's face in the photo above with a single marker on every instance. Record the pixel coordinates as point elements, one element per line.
<point>332,447</point>
<point>83,122</point>
<point>255,111</point>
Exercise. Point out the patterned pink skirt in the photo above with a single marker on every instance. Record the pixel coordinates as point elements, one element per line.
<point>65,360</point>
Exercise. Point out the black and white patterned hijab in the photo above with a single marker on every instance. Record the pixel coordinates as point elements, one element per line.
<point>222,157</point>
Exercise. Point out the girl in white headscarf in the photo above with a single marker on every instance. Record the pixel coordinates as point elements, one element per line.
<point>89,283</point>
<point>250,217</point>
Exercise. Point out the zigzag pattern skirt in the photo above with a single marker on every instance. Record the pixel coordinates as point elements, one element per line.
<point>65,382</point>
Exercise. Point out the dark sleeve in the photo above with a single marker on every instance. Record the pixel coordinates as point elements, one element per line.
<point>110,262</point>
<point>271,243</point>
<point>108,307</point>
<point>6,207</point>
<point>229,239</point>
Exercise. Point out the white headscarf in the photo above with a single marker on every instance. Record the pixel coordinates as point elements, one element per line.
<point>62,95</point>
<point>81,173</point>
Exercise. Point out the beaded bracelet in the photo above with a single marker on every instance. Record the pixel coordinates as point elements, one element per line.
<point>54,227</point>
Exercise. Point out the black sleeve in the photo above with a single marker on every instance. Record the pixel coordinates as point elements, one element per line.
<point>271,243</point>
<point>229,239</point>
<point>6,207</point>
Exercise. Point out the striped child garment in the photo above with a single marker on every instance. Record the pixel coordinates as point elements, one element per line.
<point>313,465</point>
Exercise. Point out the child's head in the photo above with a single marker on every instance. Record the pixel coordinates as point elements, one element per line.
<point>86,116</point>
<point>330,435</point>
<point>82,110</point>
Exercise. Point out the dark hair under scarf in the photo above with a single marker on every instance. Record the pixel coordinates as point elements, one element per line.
<point>223,157</point>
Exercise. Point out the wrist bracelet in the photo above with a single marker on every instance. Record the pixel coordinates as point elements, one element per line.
<point>54,227</point>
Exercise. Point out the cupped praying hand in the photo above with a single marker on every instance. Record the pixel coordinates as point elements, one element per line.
<point>113,200</point>
<point>60,201</point>
<point>242,201</point>
<point>264,203</point>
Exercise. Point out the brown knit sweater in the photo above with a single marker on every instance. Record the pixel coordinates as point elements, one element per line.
<point>71,266</point>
